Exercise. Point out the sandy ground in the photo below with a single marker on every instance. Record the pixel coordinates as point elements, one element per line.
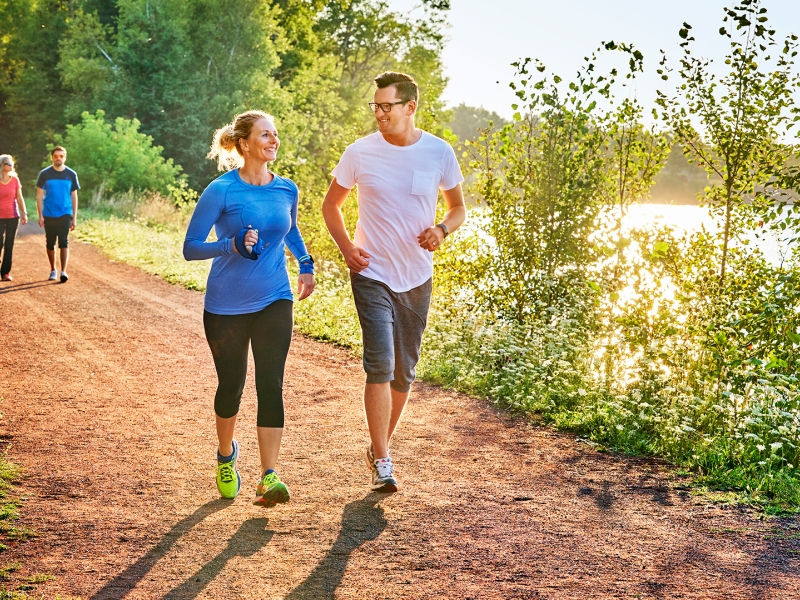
<point>108,387</point>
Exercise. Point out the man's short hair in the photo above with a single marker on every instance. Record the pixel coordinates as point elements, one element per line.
<point>407,88</point>
<point>57,148</point>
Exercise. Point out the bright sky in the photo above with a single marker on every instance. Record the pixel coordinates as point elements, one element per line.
<point>486,36</point>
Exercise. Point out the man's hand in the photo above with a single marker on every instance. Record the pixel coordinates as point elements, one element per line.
<point>357,259</point>
<point>305,285</point>
<point>431,239</point>
<point>73,223</point>
<point>41,221</point>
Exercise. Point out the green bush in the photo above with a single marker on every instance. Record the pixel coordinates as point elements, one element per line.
<point>117,156</point>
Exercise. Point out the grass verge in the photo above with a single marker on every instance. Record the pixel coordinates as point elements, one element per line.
<point>11,531</point>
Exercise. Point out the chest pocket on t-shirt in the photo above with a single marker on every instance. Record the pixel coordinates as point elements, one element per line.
<point>423,183</point>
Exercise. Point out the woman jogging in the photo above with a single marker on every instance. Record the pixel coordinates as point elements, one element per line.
<point>12,209</point>
<point>248,297</point>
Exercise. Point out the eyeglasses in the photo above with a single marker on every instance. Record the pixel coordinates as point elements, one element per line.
<point>9,164</point>
<point>385,106</point>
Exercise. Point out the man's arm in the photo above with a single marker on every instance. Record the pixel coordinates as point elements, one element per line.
<point>39,200</point>
<point>431,239</point>
<point>357,260</point>
<point>74,196</point>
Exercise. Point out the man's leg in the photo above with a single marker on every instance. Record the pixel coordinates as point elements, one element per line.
<point>383,415</point>
<point>50,234</point>
<point>63,243</point>
<point>378,407</point>
<point>399,400</point>
<point>410,319</point>
<point>64,259</point>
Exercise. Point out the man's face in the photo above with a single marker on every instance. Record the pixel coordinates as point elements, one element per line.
<point>59,157</point>
<point>397,118</point>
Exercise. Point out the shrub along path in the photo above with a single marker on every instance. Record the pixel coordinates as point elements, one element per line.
<point>108,388</point>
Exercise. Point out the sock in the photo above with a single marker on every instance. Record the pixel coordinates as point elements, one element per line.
<point>224,459</point>
<point>267,472</point>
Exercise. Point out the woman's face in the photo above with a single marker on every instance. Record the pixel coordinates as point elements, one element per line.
<point>7,168</point>
<point>263,142</point>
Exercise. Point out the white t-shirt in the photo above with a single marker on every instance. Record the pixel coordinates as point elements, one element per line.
<point>398,187</point>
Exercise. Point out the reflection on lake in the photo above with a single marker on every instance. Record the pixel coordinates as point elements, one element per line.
<point>692,218</point>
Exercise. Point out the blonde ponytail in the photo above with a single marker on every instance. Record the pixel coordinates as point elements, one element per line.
<point>225,147</point>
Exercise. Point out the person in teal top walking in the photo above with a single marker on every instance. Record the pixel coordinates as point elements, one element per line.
<point>249,300</point>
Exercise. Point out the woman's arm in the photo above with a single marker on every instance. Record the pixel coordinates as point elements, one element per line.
<point>23,212</point>
<point>294,241</point>
<point>206,213</point>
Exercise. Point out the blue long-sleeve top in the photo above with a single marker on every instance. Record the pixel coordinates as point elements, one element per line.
<point>237,285</point>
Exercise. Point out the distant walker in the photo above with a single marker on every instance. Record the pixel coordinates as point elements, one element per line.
<point>57,202</point>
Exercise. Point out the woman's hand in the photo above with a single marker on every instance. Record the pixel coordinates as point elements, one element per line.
<point>305,285</point>
<point>24,218</point>
<point>250,239</point>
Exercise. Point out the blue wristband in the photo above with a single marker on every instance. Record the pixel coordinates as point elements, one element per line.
<point>306,264</point>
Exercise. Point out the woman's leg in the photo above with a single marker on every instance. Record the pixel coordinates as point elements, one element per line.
<point>10,227</point>
<point>228,337</point>
<point>271,336</point>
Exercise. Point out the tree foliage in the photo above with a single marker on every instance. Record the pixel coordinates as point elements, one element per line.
<point>744,118</point>
<point>118,157</point>
<point>182,68</point>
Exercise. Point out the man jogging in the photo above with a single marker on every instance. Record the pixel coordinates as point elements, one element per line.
<point>399,171</point>
<point>57,202</point>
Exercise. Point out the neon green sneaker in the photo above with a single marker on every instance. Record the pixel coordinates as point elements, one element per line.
<point>229,482</point>
<point>271,490</point>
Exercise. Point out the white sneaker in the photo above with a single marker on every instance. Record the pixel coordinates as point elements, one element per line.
<point>64,276</point>
<point>369,457</point>
<point>383,476</point>
<point>53,276</point>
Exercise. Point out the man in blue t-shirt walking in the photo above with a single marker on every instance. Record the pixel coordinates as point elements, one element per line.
<point>57,203</point>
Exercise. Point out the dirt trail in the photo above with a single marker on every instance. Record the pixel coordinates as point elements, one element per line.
<point>108,387</point>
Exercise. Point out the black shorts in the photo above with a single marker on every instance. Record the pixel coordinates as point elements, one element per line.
<point>57,227</point>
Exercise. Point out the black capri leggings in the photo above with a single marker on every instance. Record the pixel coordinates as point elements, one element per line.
<point>269,331</point>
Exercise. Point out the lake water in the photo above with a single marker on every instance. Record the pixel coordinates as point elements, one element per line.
<point>692,218</point>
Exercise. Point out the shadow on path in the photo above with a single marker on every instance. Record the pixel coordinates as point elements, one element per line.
<point>124,582</point>
<point>21,287</point>
<point>362,521</point>
<point>248,539</point>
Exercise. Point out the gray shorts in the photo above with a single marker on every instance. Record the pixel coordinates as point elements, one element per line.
<point>392,324</point>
